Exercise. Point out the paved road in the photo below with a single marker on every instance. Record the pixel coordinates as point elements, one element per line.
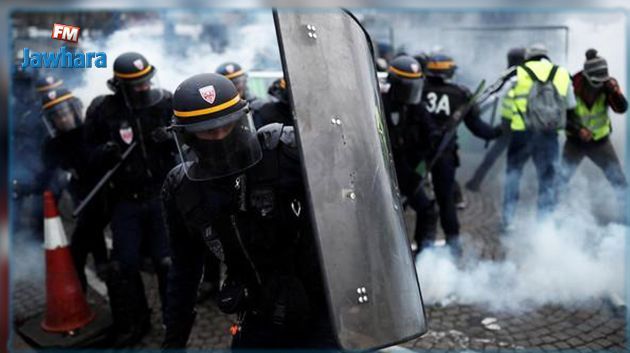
<point>595,326</point>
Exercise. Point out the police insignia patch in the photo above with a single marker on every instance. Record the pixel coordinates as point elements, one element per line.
<point>126,134</point>
<point>208,93</point>
<point>138,64</point>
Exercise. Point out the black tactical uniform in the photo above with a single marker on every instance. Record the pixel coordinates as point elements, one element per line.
<point>442,99</point>
<point>247,206</point>
<point>27,167</point>
<point>65,149</point>
<point>238,76</point>
<point>407,126</point>
<point>278,110</point>
<point>137,114</point>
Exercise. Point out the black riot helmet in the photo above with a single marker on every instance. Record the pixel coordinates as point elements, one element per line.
<point>440,65</point>
<point>47,83</point>
<point>214,121</point>
<point>278,90</point>
<point>62,111</point>
<point>236,74</point>
<point>405,80</point>
<point>134,77</point>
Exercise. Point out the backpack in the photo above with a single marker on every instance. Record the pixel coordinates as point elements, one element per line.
<point>546,108</point>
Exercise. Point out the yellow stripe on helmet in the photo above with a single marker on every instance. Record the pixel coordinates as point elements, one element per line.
<point>49,87</point>
<point>57,101</point>
<point>134,74</point>
<point>204,111</point>
<point>405,73</point>
<point>440,65</point>
<point>235,74</point>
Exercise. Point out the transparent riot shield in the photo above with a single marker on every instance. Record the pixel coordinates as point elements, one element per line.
<point>371,282</point>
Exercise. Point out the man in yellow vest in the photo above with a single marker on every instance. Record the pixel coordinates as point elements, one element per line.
<point>588,135</point>
<point>535,108</point>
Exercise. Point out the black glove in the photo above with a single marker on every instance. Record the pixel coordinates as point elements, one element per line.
<point>110,153</point>
<point>160,134</point>
<point>176,335</point>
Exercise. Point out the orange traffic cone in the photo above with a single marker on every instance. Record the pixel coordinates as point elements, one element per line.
<point>66,307</point>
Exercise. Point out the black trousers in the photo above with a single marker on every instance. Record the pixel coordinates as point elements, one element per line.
<point>88,237</point>
<point>443,178</point>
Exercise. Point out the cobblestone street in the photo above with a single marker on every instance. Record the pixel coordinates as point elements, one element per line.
<point>599,325</point>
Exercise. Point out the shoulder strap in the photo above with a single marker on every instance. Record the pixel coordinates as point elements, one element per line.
<point>530,73</point>
<point>552,74</point>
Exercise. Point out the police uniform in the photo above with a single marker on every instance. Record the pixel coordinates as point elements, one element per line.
<point>407,127</point>
<point>541,146</point>
<point>277,111</point>
<point>65,148</point>
<point>442,99</point>
<point>113,124</point>
<point>254,219</point>
<point>27,167</point>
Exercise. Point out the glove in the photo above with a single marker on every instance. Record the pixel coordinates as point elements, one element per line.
<point>110,153</point>
<point>159,135</point>
<point>611,86</point>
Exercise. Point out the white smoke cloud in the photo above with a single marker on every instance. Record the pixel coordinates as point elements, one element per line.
<point>569,259</point>
<point>248,44</point>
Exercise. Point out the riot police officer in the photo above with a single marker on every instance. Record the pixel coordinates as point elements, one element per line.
<point>279,109</point>
<point>27,136</point>
<point>65,149</point>
<point>407,125</point>
<point>47,83</point>
<point>241,195</point>
<point>442,98</point>
<point>238,76</point>
<point>132,122</point>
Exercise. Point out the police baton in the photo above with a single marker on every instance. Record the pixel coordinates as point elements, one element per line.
<point>103,180</point>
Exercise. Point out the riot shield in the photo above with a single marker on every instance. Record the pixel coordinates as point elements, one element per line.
<point>371,282</point>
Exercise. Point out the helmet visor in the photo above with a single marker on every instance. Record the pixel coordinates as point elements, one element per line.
<point>406,90</point>
<point>240,83</point>
<point>219,151</point>
<point>63,117</point>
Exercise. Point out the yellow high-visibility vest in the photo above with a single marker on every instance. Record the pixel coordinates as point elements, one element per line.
<point>515,102</point>
<point>596,118</point>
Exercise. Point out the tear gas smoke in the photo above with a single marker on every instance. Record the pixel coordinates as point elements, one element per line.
<point>179,56</point>
<point>569,259</point>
